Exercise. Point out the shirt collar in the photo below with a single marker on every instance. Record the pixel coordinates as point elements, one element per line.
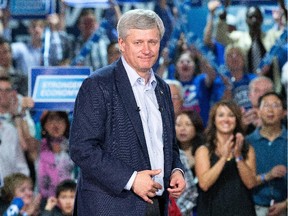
<point>134,77</point>
<point>282,135</point>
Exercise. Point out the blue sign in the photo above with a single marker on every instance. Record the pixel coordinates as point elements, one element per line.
<point>99,3</point>
<point>56,88</point>
<point>87,3</point>
<point>31,8</point>
<point>134,1</point>
<point>253,2</point>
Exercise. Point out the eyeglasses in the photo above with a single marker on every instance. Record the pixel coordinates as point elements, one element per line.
<point>271,106</point>
<point>7,90</point>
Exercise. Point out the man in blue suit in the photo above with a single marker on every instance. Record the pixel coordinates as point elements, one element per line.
<point>122,135</point>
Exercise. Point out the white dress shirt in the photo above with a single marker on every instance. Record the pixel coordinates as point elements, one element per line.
<point>151,121</point>
<point>12,158</point>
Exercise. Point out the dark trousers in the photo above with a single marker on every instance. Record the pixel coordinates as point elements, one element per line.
<point>157,208</point>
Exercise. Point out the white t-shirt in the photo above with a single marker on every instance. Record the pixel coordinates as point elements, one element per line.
<point>12,157</point>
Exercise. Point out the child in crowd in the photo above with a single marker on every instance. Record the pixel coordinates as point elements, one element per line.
<point>63,203</point>
<point>18,185</point>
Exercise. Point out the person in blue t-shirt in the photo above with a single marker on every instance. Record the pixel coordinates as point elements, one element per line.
<point>234,83</point>
<point>196,87</point>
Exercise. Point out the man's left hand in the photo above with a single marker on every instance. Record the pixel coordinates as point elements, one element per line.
<point>177,184</point>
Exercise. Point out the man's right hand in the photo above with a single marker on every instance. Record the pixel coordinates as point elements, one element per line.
<point>144,185</point>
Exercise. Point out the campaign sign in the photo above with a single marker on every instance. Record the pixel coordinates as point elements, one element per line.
<point>31,8</point>
<point>56,88</point>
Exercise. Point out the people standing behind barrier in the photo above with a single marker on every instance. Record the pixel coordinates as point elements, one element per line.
<point>233,84</point>
<point>225,165</point>
<point>88,25</point>
<point>53,163</point>
<point>29,54</point>
<point>62,204</point>
<point>17,195</point>
<point>257,87</point>
<point>270,144</point>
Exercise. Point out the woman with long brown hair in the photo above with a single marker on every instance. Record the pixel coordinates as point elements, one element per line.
<point>225,165</point>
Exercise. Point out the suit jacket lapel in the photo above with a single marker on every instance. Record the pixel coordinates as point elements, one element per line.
<point>127,96</point>
<point>162,95</point>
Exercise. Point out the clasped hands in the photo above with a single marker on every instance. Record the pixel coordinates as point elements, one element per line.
<point>232,146</point>
<point>146,187</point>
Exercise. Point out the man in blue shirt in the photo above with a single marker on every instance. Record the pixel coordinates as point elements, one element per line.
<point>270,144</point>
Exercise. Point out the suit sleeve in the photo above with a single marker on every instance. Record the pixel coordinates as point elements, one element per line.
<point>88,140</point>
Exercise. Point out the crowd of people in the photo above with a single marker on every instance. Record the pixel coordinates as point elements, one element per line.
<point>226,124</point>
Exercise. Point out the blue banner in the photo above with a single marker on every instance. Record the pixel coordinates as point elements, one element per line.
<point>87,3</point>
<point>56,88</point>
<point>99,3</point>
<point>268,57</point>
<point>253,2</point>
<point>31,8</point>
<point>134,1</point>
<point>232,2</point>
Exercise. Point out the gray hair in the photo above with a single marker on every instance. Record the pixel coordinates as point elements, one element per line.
<point>139,19</point>
<point>259,79</point>
<point>177,84</point>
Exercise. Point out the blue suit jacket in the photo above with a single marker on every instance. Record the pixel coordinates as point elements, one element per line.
<point>107,142</point>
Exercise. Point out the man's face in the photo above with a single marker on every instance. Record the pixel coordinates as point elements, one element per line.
<point>87,25</point>
<point>176,99</point>
<point>5,55</point>
<point>5,94</point>
<point>36,30</point>
<point>271,111</point>
<point>235,60</point>
<point>66,201</point>
<point>141,48</point>
<point>254,17</point>
<point>258,89</point>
